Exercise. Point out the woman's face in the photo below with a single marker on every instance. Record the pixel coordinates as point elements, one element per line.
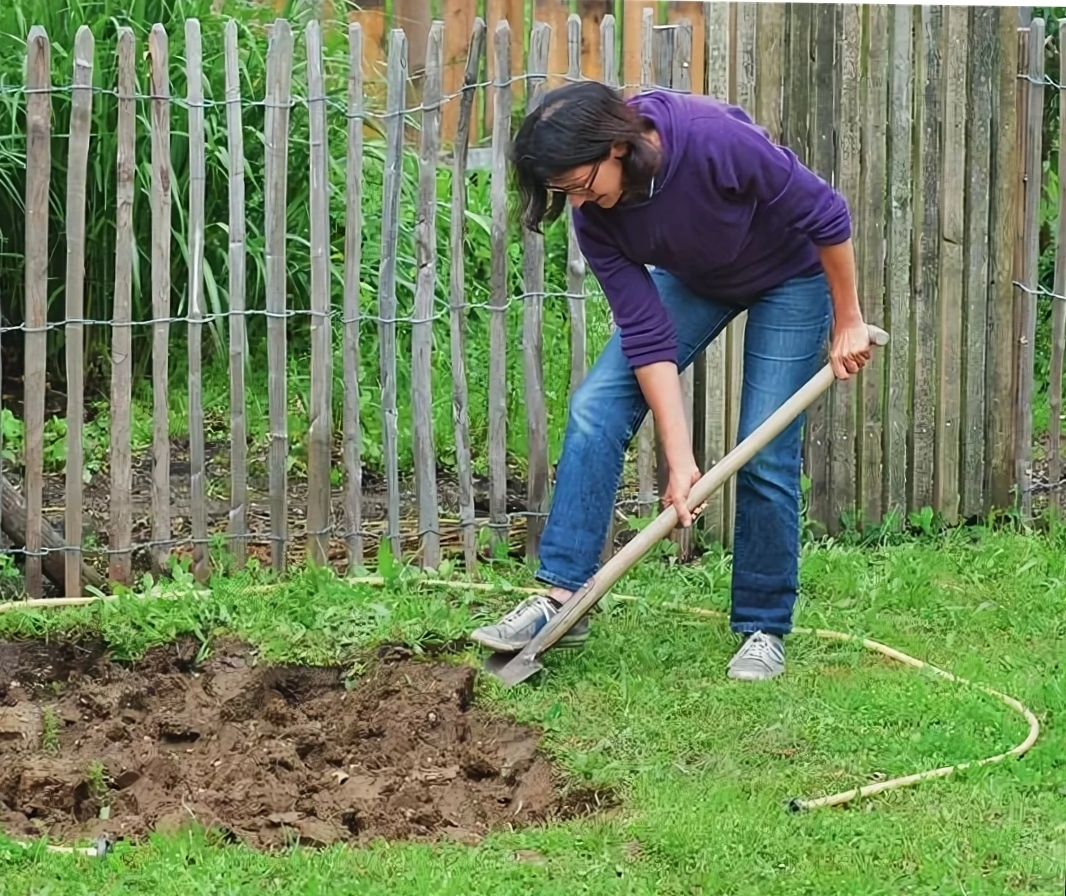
<point>599,182</point>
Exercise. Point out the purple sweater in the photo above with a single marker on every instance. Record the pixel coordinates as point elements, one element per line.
<point>732,216</point>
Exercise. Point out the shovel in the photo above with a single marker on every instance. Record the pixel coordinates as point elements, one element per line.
<point>514,668</point>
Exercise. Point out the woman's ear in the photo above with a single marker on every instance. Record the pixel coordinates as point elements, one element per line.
<point>619,150</point>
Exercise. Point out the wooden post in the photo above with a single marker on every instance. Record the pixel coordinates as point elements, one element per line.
<point>925,293</point>
<point>197,186</point>
<point>999,388</point>
<point>501,137</point>
<point>646,498</point>
<point>1029,272</point>
<point>425,293</point>
<point>77,173</point>
<point>575,262</point>
<point>38,171</point>
<point>952,264</point>
<point>822,160</point>
<point>609,70</point>
<point>709,377</point>
<point>457,316</point>
<point>353,243</point>
<point>1058,310</point>
<point>278,95</point>
<point>591,14</point>
<point>458,16</point>
<point>870,209</point>
<point>533,324</point>
<point>397,78</point>
<point>898,260</point>
<point>159,81</point>
<point>120,536</point>
<point>320,429</point>
<point>238,514</point>
<point>554,14</point>
<point>842,437</point>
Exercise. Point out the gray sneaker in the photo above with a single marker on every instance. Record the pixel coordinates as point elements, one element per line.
<point>759,658</point>
<point>515,630</point>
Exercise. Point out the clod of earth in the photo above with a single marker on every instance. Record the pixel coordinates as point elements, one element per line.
<point>266,754</point>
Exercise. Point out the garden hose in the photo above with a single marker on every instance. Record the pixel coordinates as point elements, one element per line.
<point>795,805</point>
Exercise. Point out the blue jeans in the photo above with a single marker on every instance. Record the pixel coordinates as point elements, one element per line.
<point>784,346</point>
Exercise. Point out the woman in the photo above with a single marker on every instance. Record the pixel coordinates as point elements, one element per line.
<point>687,214</point>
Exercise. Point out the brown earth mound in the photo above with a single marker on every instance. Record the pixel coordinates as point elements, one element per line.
<point>269,755</point>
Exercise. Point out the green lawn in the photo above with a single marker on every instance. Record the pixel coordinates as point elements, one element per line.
<point>705,767</point>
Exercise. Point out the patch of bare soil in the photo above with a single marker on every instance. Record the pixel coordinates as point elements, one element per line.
<point>265,754</point>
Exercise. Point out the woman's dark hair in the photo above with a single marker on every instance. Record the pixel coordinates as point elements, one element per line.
<point>577,124</point>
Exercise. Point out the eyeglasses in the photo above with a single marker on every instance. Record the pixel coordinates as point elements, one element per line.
<point>585,190</point>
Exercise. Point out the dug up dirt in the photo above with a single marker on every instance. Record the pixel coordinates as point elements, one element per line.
<point>267,755</point>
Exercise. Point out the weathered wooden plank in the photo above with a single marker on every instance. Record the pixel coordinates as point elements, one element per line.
<point>414,17</point>
<point>353,246</point>
<point>744,55</point>
<point>1058,310</point>
<point>925,294</point>
<point>120,534</point>
<point>952,263</point>
<point>387,305</point>
<point>38,172</point>
<point>646,498</point>
<point>609,75</point>
<point>871,242</point>
<point>238,264</point>
<point>822,159</point>
<point>898,264</point>
<point>533,319</point>
<point>695,13</point>
<point>425,292</point>
<point>458,17</point>
<point>709,376</point>
<point>159,81</point>
<point>197,226</point>
<point>796,102</point>
<point>609,50</point>
<point>279,91</point>
<point>633,50</point>
<point>664,51</point>
<point>320,425</point>
<point>591,14</point>
<point>843,398</point>
<point>514,13</point>
<point>1029,274</point>
<point>999,387</point>
<point>553,13</point>
<point>372,19</point>
<point>672,53</point>
<point>740,91</point>
<point>77,173</point>
<point>457,317</point>
<point>976,258</point>
<point>501,141</point>
<point>575,263</point>
<point>770,59</point>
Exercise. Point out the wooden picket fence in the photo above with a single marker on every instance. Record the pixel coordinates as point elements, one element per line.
<point>917,114</point>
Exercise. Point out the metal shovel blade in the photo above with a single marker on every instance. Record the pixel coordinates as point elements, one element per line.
<point>512,668</point>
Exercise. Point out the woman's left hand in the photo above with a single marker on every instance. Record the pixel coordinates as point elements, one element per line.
<point>850,349</point>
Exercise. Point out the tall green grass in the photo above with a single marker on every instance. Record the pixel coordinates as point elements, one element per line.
<point>105,17</point>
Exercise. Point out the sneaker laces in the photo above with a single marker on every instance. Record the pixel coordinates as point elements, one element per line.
<point>540,600</point>
<point>759,648</point>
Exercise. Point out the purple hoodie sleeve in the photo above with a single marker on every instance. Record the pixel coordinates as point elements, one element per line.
<point>647,332</point>
<point>746,165</point>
